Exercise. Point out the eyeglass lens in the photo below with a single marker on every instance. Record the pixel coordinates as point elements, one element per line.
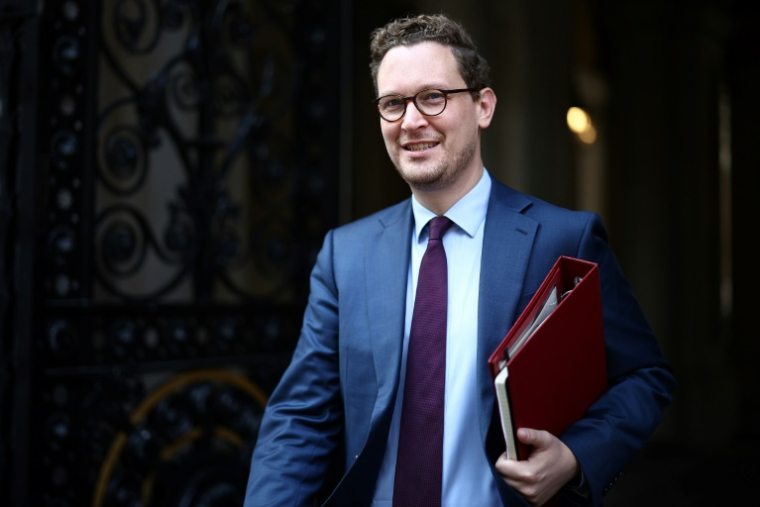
<point>428,102</point>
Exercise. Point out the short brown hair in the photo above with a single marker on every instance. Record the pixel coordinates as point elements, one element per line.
<point>431,28</point>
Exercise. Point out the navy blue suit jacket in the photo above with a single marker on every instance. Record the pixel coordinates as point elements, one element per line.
<point>340,388</point>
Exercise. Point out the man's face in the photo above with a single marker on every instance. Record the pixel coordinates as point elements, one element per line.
<point>430,152</point>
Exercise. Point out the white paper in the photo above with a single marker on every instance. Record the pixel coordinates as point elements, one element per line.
<point>549,305</point>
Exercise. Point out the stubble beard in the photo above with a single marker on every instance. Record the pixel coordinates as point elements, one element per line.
<point>431,176</point>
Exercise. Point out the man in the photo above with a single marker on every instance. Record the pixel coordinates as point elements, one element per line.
<point>356,360</point>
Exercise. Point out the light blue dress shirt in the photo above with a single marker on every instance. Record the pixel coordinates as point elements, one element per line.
<point>467,478</point>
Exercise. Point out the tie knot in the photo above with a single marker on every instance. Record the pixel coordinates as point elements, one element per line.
<point>438,227</point>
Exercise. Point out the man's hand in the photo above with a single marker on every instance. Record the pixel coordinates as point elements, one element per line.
<point>550,466</point>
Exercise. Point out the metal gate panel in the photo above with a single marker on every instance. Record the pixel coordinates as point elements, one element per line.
<point>175,167</point>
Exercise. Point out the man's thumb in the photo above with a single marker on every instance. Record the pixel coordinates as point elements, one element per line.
<point>531,436</point>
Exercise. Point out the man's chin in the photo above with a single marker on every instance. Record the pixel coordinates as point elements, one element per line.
<point>423,181</point>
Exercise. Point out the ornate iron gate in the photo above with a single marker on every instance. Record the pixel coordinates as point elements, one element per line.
<point>169,169</point>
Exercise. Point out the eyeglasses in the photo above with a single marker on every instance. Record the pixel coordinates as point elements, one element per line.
<point>428,102</point>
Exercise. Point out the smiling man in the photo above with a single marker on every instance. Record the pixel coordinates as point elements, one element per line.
<point>407,305</point>
<point>437,154</point>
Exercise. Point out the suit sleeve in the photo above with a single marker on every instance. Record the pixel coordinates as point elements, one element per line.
<point>641,381</point>
<point>303,418</point>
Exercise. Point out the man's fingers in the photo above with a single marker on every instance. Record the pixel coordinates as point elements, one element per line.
<point>536,438</point>
<point>550,465</point>
<point>524,435</point>
<point>505,466</point>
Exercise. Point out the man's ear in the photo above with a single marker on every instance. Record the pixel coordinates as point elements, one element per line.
<point>486,107</point>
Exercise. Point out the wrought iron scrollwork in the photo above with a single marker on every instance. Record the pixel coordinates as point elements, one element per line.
<point>212,130</point>
<point>187,442</point>
<point>185,173</point>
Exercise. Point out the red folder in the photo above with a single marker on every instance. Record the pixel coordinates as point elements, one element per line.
<point>560,369</point>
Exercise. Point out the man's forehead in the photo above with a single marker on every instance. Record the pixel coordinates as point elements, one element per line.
<point>418,49</point>
<point>425,64</point>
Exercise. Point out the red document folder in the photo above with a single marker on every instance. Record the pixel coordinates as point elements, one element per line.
<point>560,369</point>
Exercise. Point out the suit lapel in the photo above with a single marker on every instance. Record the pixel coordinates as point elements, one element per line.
<point>387,269</point>
<point>507,243</point>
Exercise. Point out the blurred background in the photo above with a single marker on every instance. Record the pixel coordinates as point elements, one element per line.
<point>168,170</point>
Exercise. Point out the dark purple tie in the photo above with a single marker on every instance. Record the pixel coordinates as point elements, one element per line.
<point>419,465</point>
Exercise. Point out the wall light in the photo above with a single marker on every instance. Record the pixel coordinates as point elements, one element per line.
<point>579,122</point>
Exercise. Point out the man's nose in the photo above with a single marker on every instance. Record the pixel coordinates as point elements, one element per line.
<point>413,119</point>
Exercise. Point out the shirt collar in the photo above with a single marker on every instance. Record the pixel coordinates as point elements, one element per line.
<point>468,213</point>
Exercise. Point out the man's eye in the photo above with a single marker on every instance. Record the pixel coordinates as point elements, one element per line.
<point>392,103</point>
<point>433,96</point>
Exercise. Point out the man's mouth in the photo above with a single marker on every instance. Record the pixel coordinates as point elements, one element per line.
<point>419,146</point>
